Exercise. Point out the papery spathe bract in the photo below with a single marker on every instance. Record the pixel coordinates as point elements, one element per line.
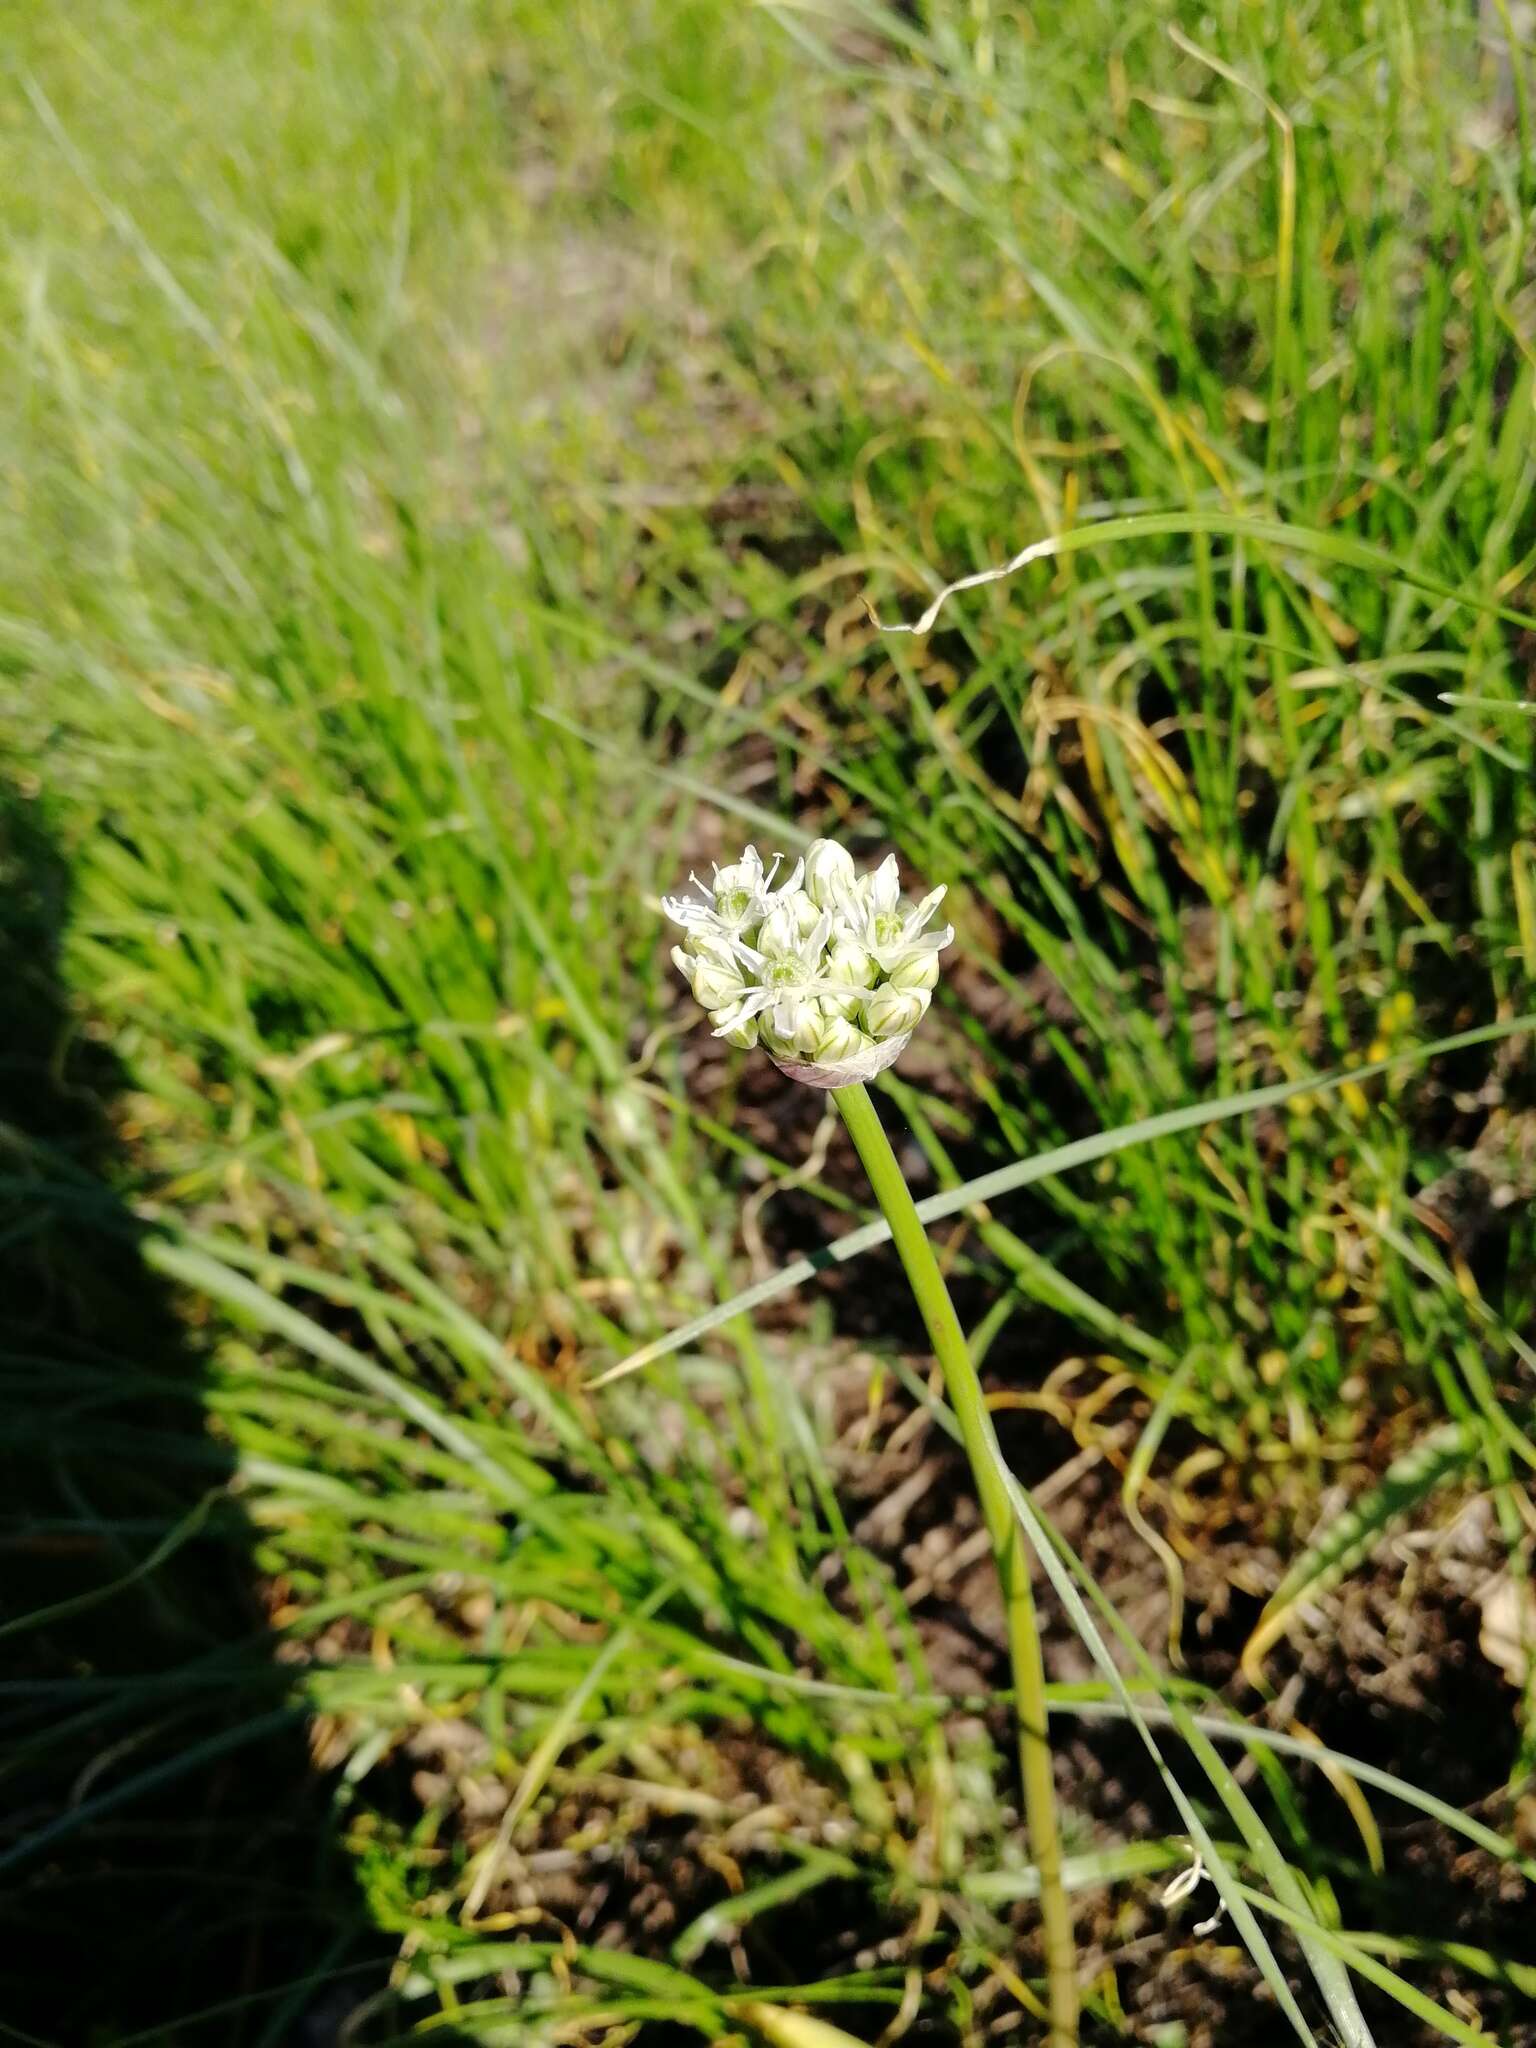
<point>870,1059</point>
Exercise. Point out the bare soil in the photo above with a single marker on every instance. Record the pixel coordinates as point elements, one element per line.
<point>1390,1668</point>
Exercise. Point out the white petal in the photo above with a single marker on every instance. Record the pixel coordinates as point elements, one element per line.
<point>930,903</point>
<point>792,1018</point>
<point>815,944</point>
<point>796,872</point>
<point>885,886</point>
<point>752,1004</point>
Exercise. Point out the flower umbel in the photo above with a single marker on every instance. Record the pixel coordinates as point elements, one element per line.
<point>831,977</point>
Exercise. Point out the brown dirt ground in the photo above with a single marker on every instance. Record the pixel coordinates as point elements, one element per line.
<point>1389,1668</point>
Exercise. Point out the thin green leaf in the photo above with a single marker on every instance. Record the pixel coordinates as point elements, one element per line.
<point>814,1868</point>
<point>210,1276</point>
<point>1347,1537</point>
<point>1006,1180</point>
<point>1359,1957</point>
<point>1332,1980</point>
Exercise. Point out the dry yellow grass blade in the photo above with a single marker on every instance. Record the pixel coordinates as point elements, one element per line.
<point>786,2029</point>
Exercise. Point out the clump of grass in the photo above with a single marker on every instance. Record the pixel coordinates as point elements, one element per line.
<point>1204,780</point>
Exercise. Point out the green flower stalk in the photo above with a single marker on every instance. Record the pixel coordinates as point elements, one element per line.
<point>831,973</point>
<point>969,1404</point>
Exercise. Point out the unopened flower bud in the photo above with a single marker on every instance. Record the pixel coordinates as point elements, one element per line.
<point>794,1025</point>
<point>840,1039</point>
<point>849,965</point>
<point>847,972</point>
<point>780,931</point>
<point>805,911</point>
<point>712,973</point>
<point>893,1012</point>
<point>828,871</point>
<point>717,981</point>
<point>917,970</point>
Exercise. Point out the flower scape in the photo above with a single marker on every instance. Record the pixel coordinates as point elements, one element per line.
<point>830,972</point>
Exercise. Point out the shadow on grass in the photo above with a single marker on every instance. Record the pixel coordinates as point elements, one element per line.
<point>169,1867</point>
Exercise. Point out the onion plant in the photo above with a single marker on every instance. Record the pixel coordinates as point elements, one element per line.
<point>831,972</point>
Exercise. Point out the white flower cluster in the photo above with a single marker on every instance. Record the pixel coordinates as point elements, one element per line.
<point>830,972</point>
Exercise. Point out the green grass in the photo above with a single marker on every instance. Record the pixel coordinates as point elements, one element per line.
<point>446,462</point>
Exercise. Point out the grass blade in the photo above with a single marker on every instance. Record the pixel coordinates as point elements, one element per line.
<point>1332,1978</point>
<point>210,1276</point>
<point>1348,1537</point>
<point>1083,1151</point>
